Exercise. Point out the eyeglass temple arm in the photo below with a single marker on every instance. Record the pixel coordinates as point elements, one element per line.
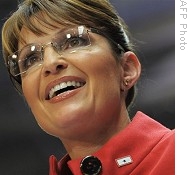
<point>94,30</point>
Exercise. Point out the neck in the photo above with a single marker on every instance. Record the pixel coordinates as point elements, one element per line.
<point>85,145</point>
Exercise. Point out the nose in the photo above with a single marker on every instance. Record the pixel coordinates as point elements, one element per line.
<point>53,62</point>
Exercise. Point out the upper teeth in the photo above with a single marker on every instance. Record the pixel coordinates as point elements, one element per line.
<point>63,85</point>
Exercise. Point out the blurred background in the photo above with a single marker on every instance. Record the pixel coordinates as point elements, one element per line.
<point>25,148</point>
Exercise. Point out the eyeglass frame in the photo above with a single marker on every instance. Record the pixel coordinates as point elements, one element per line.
<point>16,79</point>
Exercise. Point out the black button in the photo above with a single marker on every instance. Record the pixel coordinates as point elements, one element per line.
<point>91,165</point>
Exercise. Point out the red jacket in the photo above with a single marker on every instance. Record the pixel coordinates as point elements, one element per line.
<point>144,147</point>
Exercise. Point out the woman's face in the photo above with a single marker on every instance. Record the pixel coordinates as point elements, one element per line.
<point>94,103</point>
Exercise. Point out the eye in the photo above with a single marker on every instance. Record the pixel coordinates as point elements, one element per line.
<point>30,60</point>
<point>75,42</point>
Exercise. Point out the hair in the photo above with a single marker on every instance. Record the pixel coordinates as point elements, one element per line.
<point>99,14</point>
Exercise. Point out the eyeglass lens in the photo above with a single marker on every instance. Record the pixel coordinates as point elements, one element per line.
<point>67,41</point>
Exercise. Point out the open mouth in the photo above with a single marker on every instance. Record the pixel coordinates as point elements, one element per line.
<point>64,87</point>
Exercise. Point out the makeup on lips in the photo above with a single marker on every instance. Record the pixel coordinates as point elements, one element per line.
<point>63,88</point>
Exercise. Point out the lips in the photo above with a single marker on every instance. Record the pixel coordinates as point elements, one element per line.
<point>63,85</point>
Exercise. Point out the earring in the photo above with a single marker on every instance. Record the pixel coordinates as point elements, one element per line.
<point>126,82</point>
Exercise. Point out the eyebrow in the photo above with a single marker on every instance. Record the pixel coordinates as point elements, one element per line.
<point>55,36</point>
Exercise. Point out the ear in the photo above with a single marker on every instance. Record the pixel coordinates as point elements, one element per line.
<point>131,70</point>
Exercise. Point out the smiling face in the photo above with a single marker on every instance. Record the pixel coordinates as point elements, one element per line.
<point>72,94</point>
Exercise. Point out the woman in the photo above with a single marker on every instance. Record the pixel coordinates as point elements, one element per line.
<point>74,63</point>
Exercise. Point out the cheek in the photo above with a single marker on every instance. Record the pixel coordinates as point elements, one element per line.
<point>104,74</point>
<point>104,68</point>
<point>30,88</point>
<point>98,61</point>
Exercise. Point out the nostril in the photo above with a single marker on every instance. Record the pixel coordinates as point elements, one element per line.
<point>59,67</point>
<point>54,69</point>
